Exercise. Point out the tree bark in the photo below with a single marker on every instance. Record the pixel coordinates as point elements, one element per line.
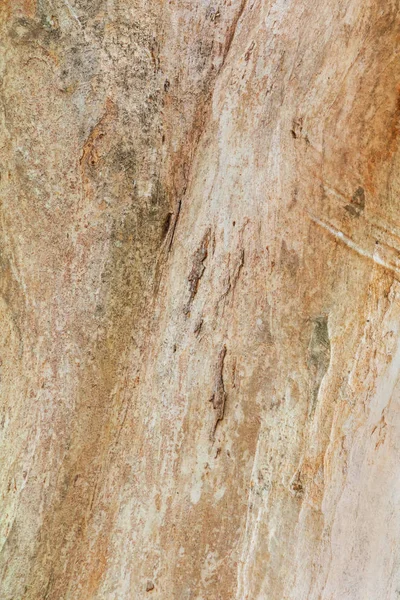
<point>200,299</point>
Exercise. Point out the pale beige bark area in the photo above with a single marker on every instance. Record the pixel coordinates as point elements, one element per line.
<point>200,300</point>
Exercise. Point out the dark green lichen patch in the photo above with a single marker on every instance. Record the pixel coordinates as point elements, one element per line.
<point>357,204</point>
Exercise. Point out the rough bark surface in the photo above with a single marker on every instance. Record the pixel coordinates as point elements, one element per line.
<point>200,201</point>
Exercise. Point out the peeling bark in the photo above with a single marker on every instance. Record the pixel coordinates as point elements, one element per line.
<point>218,398</point>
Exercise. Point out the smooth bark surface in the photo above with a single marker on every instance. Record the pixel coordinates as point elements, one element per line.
<point>199,299</point>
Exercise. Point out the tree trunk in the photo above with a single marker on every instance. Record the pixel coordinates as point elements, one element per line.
<point>200,300</point>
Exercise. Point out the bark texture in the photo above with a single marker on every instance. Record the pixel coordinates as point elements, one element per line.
<point>200,299</point>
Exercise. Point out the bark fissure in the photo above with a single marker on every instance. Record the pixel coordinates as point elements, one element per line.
<point>219,396</point>
<point>198,268</point>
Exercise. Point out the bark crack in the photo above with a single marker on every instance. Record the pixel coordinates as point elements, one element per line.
<point>205,106</point>
<point>174,224</point>
<point>198,269</point>
<point>232,33</point>
<point>218,398</point>
<point>232,279</point>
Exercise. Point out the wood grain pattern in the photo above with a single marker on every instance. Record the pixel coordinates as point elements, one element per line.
<point>199,200</point>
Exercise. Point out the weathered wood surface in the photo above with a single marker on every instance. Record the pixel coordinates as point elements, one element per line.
<point>200,201</point>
